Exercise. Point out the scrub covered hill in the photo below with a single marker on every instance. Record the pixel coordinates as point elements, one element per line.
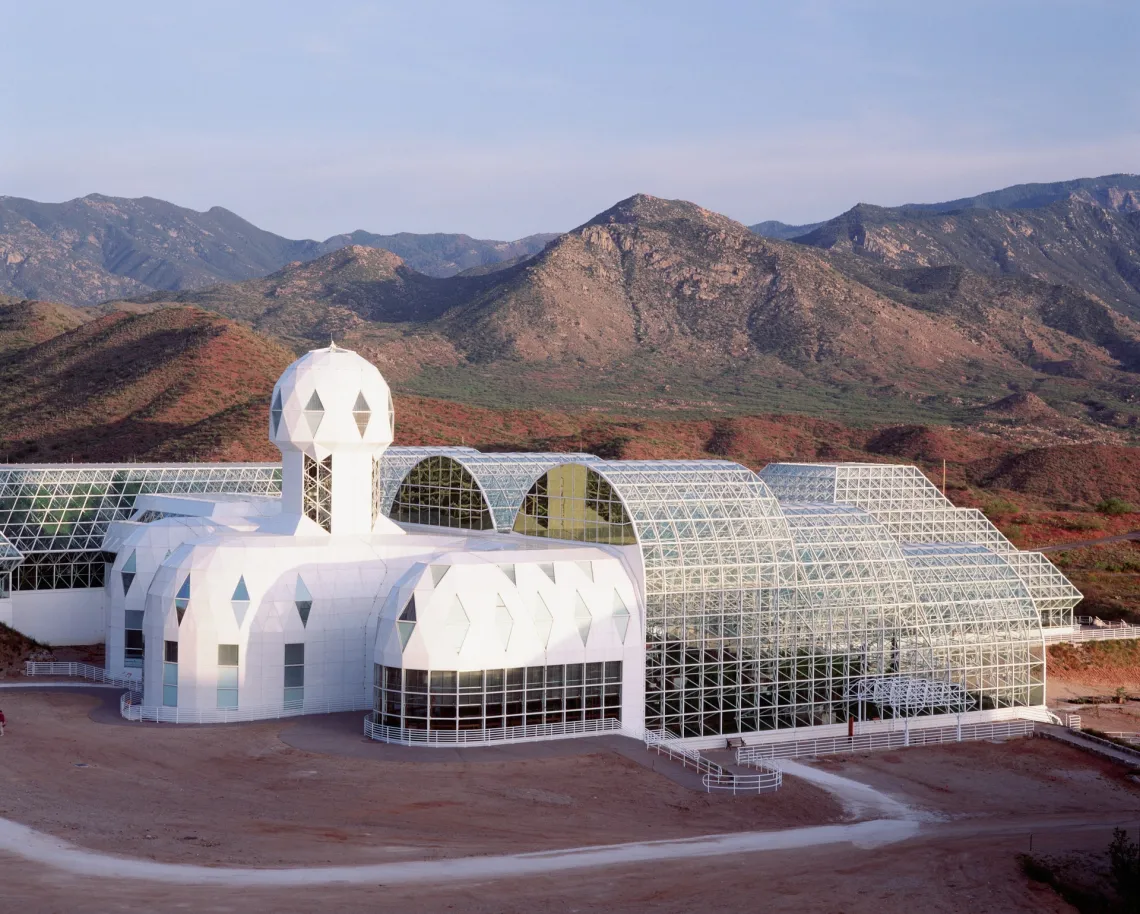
<point>169,385</point>
<point>660,302</point>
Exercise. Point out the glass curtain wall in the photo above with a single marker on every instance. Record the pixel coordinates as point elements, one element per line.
<point>493,699</point>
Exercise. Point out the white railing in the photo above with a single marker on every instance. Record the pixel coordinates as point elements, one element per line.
<point>664,743</point>
<point>1107,743</point>
<point>132,709</point>
<point>713,776</point>
<point>1104,632</point>
<point>523,734</point>
<point>1073,721</point>
<point>771,779</point>
<point>884,740</point>
<point>78,670</point>
<point>1127,736</point>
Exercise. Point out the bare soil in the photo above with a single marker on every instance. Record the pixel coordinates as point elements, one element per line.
<point>239,795</point>
<point>242,795</point>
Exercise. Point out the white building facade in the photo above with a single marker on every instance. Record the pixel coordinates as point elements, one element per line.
<point>468,597</point>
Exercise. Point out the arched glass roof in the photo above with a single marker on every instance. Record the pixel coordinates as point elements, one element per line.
<point>501,481</point>
<point>715,549</point>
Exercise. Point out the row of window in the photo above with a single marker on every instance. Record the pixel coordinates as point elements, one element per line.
<point>228,665</point>
<point>493,699</point>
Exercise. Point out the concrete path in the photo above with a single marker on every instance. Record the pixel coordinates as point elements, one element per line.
<point>1104,540</point>
<point>61,855</point>
<point>1081,741</point>
<point>857,798</point>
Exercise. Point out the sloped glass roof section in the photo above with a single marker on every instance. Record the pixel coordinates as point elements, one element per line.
<point>468,489</point>
<point>61,508</point>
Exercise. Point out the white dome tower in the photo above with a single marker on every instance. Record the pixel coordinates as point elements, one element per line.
<point>331,417</point>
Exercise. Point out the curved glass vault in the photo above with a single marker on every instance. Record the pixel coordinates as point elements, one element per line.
<point>786,599</point>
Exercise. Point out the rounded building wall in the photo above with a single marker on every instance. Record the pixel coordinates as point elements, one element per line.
<point>257,624</point>
<point>563,637</point>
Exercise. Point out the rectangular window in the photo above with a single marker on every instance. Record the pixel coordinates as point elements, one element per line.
<point>5,586</point>
<point>294,675</point>
<point>133,646</point>
<point>491,699</point>
<point>227,675</point>
<point>170,674</point>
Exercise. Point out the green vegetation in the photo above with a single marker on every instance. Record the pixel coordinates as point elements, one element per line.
<point>1115,506</point>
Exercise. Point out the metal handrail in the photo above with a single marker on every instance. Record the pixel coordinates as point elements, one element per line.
<point>714,776</point>
<point>529,733</point>
<point>1114,632</point>
<point>78,670</point>
<point>884,740</point>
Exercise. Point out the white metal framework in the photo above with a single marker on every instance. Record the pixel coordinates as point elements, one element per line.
<point>56,515</point>
<point>912,509</point>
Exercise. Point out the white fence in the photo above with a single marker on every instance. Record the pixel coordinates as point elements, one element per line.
<point>131,709</point>
<point>525,734</point>
<point>884,740</point>
<point>1133,739</point>
<point>1105,632</point>
<point>713,776</point>
<point>78,670</point>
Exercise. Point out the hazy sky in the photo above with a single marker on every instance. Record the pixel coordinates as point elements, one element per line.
<point>504,118</point>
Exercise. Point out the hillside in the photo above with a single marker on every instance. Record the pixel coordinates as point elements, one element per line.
<point>662,304</point>
<point>96,248</point>
<point>169,385</point>
<point>1077,242</point>
<point>25,323</point>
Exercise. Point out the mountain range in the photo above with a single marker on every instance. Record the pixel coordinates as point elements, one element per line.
<point>96,248</point>
<point>1013,313</point>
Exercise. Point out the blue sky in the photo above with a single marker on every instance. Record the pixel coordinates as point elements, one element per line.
<point>504,118</point>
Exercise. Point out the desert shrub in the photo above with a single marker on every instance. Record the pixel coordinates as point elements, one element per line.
<point>1124,858</point>
<point>1114,506</point>
<point>1079,524</point>
<point>999,507</point>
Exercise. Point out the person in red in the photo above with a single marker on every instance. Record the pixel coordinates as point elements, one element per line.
<point>3,721</point>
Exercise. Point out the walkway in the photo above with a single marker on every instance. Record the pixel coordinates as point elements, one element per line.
<point>1102,541</point>
<point>37,847</point>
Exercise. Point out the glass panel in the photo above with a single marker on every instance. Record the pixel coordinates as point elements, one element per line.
<point>294,654</point>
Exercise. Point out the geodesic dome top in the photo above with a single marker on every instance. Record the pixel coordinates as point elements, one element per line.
<point>331,399</point>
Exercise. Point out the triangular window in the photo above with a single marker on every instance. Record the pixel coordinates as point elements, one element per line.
<point>504,622</point>
<point>509,571</point>
<point>303,600</point>
<point>182,599</point>
<point>620,616</point>
<point>239,602</point>
<point>275,414</point>
<point>547,569</point>
<point>361,413</point>
<point>406,623</point>
<point>543,620</point>
<point>582,617</point>
<point>314,412</point>
<point>587,569</point>
<point>391,413</point>
<point>437,573</point>
<point>128,573</point>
